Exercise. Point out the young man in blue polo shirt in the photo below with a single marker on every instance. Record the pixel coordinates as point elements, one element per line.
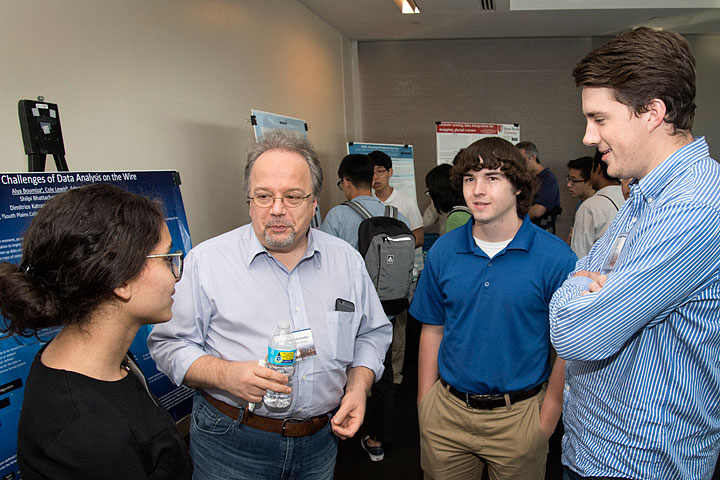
<point>485,349</point>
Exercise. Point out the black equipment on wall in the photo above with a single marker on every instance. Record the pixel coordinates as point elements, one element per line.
<point>42,135</point>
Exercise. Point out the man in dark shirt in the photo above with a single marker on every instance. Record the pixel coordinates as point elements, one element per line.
<point>546,206</point>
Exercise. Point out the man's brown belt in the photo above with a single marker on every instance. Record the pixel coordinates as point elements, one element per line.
<point>288,427</point>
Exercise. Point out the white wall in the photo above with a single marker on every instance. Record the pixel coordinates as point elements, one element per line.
<point>169,84</point>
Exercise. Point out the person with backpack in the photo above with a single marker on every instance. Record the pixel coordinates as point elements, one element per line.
<point>344,221</point>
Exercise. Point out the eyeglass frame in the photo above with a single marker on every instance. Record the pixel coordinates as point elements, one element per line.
<point>380,171</point>
<point>339,184</point>
<point>573,181</point>
<point>177,254</point>
<point>283,199</point>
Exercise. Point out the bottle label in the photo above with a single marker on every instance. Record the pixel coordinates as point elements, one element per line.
<point>281,357</point>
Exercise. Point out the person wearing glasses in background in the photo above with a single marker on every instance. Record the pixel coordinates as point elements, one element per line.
<point>578,179</point>
<point>235,289</point>
<point>356,172</point>
<point>578,183</point>
<point>97,262</point>
<point>597,212</point>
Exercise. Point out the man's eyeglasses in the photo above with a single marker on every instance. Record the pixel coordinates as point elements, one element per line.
<point>175,261</point>
<point>339,184</point>
<point>573,181</point>
<point>292,200</point>
<point>380,171</point>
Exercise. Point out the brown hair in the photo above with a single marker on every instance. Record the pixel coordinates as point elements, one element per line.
<point>495,153</point>
<point>640,65</point>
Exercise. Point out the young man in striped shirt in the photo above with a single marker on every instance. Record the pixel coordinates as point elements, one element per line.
<point>639,321</point>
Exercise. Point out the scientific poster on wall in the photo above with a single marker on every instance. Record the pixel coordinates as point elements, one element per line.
<point>264,122</point>
<point>452,136</point>
<point>21,196</point>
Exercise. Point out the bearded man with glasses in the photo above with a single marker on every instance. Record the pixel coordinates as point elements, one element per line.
<point>235,289</point>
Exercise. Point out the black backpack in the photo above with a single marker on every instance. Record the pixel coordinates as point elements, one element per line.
<point>388,247</point>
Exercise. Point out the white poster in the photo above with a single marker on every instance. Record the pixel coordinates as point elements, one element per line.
<point>452,136</point>
<point>264,122</point>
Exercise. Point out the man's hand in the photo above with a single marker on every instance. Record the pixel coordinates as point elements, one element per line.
<point>246,380</point>
<point>350,415</point>
<point>598,280</point>
<point>250,381</point>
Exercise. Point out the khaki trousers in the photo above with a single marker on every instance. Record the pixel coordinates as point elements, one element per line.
<point>456,442</point>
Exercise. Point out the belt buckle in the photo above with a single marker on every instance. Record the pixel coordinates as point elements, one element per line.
<point>291,420</point>
<point>482,401</point>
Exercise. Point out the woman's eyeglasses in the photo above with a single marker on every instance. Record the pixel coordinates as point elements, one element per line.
<point>175,261</point>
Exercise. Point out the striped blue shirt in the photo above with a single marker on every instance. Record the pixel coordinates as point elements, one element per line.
<point>642,379</point>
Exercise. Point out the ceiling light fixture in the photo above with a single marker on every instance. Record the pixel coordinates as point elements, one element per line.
<point>407,7</point>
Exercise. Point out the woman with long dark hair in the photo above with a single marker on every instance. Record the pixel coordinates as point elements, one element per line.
<point>96,261</point>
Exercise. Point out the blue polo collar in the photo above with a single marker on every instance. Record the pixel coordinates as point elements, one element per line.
<point>523,239</point>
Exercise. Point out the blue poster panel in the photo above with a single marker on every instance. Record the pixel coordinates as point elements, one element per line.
<point>21,196</point>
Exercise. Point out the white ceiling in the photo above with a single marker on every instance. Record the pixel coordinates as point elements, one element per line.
<point>366,20</point>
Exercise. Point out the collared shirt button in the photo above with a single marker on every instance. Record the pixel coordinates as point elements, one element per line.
<point>567,387</point>
<point>304,377</point>
<point>489,264</point>
<point>297,309</point>
<point>634,219</point>
<point>300,409</point>
<point>487,284</point>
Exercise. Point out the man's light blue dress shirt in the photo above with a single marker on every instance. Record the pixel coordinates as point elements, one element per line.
<point>642,391</point>
<point>232,294</point>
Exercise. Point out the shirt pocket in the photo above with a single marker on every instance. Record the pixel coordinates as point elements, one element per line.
<point>342,332</point>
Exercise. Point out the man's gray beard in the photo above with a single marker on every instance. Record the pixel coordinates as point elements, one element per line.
<point>286,242</point>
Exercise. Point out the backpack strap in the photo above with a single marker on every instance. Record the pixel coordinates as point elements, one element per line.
<point>359,209</point>
<point>391,212</point>
<point>611,201</point>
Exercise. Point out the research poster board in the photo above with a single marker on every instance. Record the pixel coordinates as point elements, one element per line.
<point>21,196</point>
<point>452,136</point>
<point>264,122</point>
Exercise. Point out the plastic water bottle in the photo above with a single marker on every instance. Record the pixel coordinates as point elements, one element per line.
<point>281,358</point>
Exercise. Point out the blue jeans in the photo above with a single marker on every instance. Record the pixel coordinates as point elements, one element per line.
<point>222,448</point>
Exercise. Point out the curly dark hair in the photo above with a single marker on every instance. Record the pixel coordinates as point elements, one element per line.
<point>81,245</point>
<point>497,153</point>
<point>640,65</point>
